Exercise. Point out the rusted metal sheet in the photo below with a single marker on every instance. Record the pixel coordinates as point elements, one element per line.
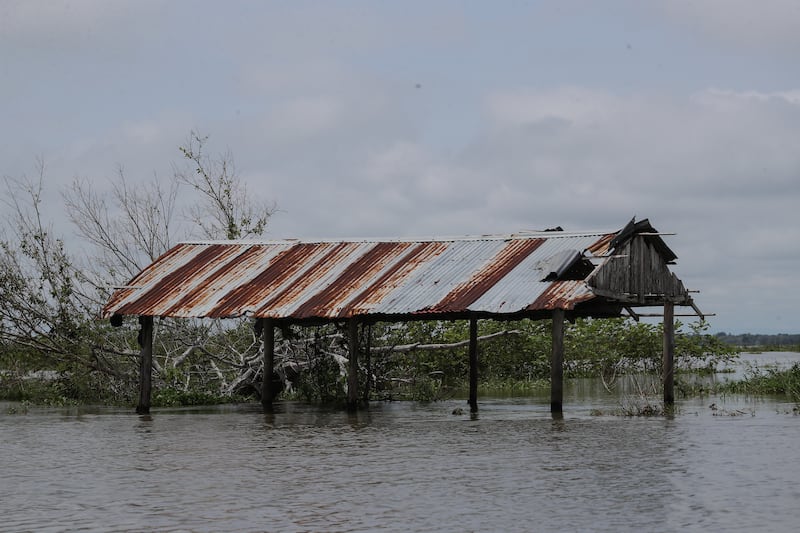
<point>208,297</point>
<point>320,274</point>
<point>279,273</point>
<point>149,275</point>
<point>159,296</point>
<point>329,301</point>
<point>487,276</point>
<point>562,295</point>
<point>300,280</point>
<point>600,247</point>
<point>431,282</point>
<point>378,297</point>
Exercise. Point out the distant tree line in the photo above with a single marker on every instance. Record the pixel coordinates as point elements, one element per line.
<point>747,340</point>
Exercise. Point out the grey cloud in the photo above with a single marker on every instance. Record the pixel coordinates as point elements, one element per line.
<point>773,26</point>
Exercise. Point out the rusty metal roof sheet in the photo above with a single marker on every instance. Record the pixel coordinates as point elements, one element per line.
<point>325,279</point>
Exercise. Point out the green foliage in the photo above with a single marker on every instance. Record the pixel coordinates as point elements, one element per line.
<point>451,362</point>
<point>171,397</point>
<point>519,361</point>
<point>323,382</point>
<point>427,389</point>
<point>509,387</point>
<point>58,388</point>
<point>514,358</point>
<point>513,363</point>
<point>642,405</point>
<point>768,381</point>
<point>323,379</point>
<point>700,351</point>
<point>619,345</point>
<point>613,346</point>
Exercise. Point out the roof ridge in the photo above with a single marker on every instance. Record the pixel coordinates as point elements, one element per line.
<point>521,235</point>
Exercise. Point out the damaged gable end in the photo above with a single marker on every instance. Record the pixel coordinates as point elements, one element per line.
<point>636,269</point>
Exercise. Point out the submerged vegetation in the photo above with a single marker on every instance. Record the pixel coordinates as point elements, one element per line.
<point>771,381</point>
<point>423,361</point>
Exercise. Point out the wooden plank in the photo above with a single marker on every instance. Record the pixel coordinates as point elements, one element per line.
<point>473,364</point>
<point>267,385</point>
<point>642,259</point>
<point>557,363</point>
<point>145,364</point>
<point>658,315</point>
<point>668,362</point>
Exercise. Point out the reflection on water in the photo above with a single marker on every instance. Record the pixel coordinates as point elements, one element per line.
<point>403,467</point>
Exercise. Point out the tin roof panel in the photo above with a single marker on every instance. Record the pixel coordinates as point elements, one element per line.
<point>427,287</point>
<point>328,279</point>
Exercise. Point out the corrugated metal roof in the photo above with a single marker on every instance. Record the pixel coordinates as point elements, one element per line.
<point>302,279</point>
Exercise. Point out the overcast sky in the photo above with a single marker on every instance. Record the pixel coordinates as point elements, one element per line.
<point>442,118</point>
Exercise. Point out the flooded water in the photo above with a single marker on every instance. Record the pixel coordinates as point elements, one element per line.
<point>404,467</point>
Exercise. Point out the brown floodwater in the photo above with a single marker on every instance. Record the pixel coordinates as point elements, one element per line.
<point>404,467</point>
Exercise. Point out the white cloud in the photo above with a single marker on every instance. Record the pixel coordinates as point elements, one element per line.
<point>732,101</point>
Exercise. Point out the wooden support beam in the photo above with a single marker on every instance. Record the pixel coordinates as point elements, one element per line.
<point>557,363</point>
<point>658,315</point>
<point>668,363</point>
<point>352,370</point>
<point>473,364</point>
<point>633,314</point>
<point>268,392</point>
<point>145,364</point>
<point>368,364</point>
<point>697,310</point>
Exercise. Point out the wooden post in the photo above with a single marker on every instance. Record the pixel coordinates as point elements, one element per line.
<point>368,364</point>
<point>145,364</point>
<point>557,363</point>
<point>668,366</point>
<point>352,370</point>
<point>268,340</point>
<point>473,364</point>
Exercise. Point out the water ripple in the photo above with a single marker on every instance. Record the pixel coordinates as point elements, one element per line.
<point>401,467</point>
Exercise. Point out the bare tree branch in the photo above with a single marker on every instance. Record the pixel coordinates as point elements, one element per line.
<point>229,211</point>
<point>402,348</point>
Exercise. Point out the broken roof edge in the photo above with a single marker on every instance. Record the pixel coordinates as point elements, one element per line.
<point>645,228</point>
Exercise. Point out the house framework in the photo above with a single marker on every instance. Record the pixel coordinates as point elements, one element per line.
<point>553,274</point>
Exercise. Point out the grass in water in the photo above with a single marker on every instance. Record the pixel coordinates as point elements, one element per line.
<point>767,381</point>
